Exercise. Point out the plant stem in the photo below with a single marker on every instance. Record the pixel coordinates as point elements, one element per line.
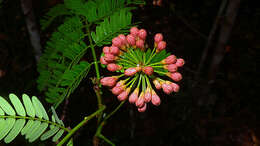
<point>82,123</point>
<point>97,88</point>
<point>101,125</point>
<point>152,55</point>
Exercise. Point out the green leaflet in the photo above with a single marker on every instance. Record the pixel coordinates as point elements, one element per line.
<point>15,131</point>
<point>7,108</point>
<point>28,105</point>
<point>58,135</point>
<point>49,133</point>
<point>17,104</point>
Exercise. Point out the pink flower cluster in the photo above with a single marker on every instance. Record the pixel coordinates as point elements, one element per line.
<point>138,73</point>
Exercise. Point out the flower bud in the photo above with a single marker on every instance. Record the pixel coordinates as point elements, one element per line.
<point>157,84</point>
<point>117,42</point>
<point>123,96</point>
<point>134,96</point>
<point>117,90</point>
<point>110,57</point>
<point>142,34</point>
<point>123,39</point>
<point>106,50</point>
<point>113,67</point>
<point>140,44</point>
<point>142,109</point>
<point>114,50</point>
<point>103,61</point>
<point>171,67</point>
<point>175,87</point>
<point>134,31</point>
<point>130,40</point>
<point>148,70</point>
<point>130,71</point>
<point>167,88</point>
<point>161,45</point>
<point>155,99</point>
<point>158,37</point>
<point>140,101</point>
<point>147,95</point>
<point>109,81</point>
<point>169,60</point>
<point>180,62</point>
<point>176,76</point>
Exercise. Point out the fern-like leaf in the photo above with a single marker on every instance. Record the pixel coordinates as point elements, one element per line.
<point>118,23</point>
<point>62,55</point>
<point>31,120</point>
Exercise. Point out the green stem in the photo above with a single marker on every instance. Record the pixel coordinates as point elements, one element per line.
<point>152,54</point>
<point>97,90</point>
<point>160,72</point>
<point>155,63</point>
<point>82,123</point>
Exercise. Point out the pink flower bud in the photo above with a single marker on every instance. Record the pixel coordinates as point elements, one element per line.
<point>161,46</point>
<point>113,67</point>
<point>176,76</point>
<point>148,70</point>
<point>110,57</point>
<point>106,50</point>
<point>134,31</point>
<point>147,95</point>
<point>123,39</point>
<point>134,96</point>
<point>117,90</point>
<point>169,60</point>
<point>114,50</point>
<point>158,37</point>
<point>123,96</point>
<point>117,42</point>
<point>157,84</point>
<point>103,61</point>
<point>142,34</point>
<point>180,62</point>
<point>142,109</point>
<point>171,67</point>
<point>140,44</point>
<point>130,39</point>
<point>155,99</point>
<point>140,101</point>
<point>175,87</point>
<point>167,88</point>
<point>130,71</point>
<point>109,81</point>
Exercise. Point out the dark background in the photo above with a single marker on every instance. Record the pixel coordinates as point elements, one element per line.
<point>223,112</point>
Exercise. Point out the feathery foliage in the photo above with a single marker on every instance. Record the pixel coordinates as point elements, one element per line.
<point>28,118</point>
<point>60,68</point>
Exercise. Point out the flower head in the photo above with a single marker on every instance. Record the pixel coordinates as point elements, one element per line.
<point>141,70</point>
